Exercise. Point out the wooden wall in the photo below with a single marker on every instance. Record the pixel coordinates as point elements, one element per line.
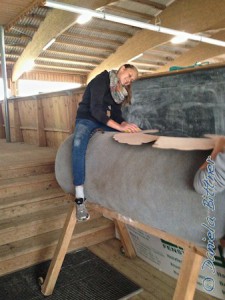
<point>54,76</point>
<point>43,120</point>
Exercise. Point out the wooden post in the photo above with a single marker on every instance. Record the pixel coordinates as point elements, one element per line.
<point>60,252</point>
<point>40,124</point>
<point>188,276</point>
<point>17,123</point>
<point>2,129</point>
<point>125,239</point>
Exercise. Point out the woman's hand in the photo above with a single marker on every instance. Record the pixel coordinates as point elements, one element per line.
<point>129,127</point>
<point>124,126</point>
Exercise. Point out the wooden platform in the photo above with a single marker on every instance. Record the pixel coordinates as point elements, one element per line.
<point>33,209</point>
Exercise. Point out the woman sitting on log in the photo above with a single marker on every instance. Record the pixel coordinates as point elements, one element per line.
<point>100,108</point>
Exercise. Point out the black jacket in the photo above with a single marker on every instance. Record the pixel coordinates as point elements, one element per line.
<point>97,100</point>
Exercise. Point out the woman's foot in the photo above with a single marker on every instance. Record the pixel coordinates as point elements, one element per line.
<point>81,211</point>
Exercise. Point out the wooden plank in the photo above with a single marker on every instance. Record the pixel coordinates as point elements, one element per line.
<point>156,284</point>
<point>35,250</point>
<point>28,169</point>
<point>125,239</point>
<point>18,137</point>
<point>188,275</point>
<point>60,252</point>
<point>18,155</point>
<point>35,223</point>
<point>46,119</point>
<point>189,271</point>
<point>151,230</point>
<point>53,219</point>
<point>36,243</point>
<point>2,128</point>
<point>30,197</point>
<point>14,186</point>
<point>34,202</point>
<point>41,137</point>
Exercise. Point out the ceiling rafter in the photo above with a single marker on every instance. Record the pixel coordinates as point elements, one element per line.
<point>107,31</point>
<point>21,46</point>
<point>66,61</point>
<point>129,12</point>
<point>154,4</point>
<point>151,3</point>
<point>21,28</point>
<point>34,17</point>
<point>17,36</point>
<point>62,68</point>
<point>92,38</point>
<point>83,45</point>
<point>82,54</point>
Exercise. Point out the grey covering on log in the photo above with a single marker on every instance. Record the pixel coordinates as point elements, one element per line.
<point>149,185</point>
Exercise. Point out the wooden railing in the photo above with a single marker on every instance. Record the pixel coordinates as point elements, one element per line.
<point>43,120</point>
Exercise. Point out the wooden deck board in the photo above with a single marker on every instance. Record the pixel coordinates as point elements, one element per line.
<point>15,154</point>
<point>156,284</point>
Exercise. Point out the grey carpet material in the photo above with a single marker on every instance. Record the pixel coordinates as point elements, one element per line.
<point>152,186</point>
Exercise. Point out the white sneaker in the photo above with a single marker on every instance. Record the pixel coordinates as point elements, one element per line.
<point>81,211</point>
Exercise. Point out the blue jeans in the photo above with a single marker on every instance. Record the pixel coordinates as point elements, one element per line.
<point>84,129</point>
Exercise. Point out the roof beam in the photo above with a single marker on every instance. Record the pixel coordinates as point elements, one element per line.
<point>55,23</point>
<point>129,12</point>
<point>71,53</point>
<point>151,3</point>
<point>191,16</point>
<point>85,37</point>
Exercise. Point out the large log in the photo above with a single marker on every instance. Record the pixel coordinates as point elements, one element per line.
<point>152,186</point>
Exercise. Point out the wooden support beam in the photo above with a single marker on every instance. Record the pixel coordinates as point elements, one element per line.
<point>187,280</point>
<point>151,230</point>
<point>192,258</point>
<point>41,137</point>
<point>60,252</point>
<point>2,128</point>
<point>125,239</point>
<point>17,123</point>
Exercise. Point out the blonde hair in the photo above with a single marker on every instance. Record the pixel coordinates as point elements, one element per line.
<point>127,100</point>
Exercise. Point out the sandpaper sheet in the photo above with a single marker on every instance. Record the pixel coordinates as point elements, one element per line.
<point>138,138</point>
<point>166,142</point>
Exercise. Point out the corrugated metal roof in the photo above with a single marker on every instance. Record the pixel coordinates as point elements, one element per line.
<point>92,43</point>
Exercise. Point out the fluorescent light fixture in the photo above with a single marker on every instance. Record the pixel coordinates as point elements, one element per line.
<point>49,44</point>
<point>179,39</point>
<point>135,57</point>
<point>126,21</point>
<point>82,19</point>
